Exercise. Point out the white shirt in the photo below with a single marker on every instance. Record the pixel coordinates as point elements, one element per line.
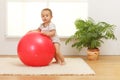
<point>51,26</point>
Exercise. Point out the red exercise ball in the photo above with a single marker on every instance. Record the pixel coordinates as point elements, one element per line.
<point>35,49</point>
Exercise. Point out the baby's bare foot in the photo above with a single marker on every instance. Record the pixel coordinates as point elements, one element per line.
<point>63,63</point>
<point>55,62</point>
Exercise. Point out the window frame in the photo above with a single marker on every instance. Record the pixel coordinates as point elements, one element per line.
<point>47,4</point>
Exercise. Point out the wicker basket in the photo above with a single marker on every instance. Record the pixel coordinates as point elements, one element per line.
<point>93,54</point>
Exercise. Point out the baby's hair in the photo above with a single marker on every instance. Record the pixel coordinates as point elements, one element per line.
<point>47,9</point>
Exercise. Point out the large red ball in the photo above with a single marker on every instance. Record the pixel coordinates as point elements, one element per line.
<point>35,49</point>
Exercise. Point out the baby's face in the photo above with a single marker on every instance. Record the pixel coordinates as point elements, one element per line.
<point>46,16</point>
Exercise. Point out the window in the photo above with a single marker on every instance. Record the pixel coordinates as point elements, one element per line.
<point>24,15</point>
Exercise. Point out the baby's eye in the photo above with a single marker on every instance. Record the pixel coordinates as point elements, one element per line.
<point>46,15</point>
<point>42,15</point>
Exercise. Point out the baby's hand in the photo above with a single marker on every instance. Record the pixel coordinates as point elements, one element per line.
<point>33,31</point>
<point>45,33</point>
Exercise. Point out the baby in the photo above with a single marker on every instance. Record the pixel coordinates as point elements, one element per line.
<point>49,29</point>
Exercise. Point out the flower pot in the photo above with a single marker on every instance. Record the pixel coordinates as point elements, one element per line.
<point>93,54</point>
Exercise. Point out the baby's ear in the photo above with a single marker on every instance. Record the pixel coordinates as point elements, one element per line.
<point>51,17</point>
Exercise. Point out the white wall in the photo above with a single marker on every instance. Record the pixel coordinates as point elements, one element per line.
<point>105,10</point>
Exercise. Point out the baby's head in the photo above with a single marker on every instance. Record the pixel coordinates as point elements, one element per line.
<point>47,10</point>
<point>46,15</point>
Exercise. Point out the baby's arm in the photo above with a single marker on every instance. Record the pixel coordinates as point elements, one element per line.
<point>36,30</point>
<point>50,33</point>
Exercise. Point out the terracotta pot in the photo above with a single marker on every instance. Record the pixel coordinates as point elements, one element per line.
<point>93,54</point>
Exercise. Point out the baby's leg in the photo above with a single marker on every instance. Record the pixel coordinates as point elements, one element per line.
<point>56,59</point>
<point>59,56</point>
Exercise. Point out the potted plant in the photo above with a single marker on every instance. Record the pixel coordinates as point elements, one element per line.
<point>91,35</point>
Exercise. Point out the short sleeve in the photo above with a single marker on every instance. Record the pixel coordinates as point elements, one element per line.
<point>40,27</point>
<point>52,26</point>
